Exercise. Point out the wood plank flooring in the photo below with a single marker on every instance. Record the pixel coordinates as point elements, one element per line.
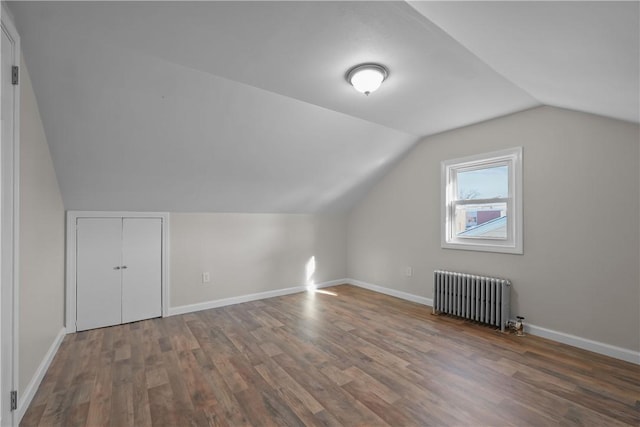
<point>343,356</point>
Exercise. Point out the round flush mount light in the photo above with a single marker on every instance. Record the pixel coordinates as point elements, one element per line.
<point>367,78</point>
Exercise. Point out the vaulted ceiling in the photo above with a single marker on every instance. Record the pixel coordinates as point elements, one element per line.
<point>244,107</point>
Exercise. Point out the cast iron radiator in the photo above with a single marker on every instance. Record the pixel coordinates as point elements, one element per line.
<point>478,298</point>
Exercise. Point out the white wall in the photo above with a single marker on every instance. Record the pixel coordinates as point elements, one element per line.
<point>41,289</point>
<point>251,253</point>
<point>579,272</point>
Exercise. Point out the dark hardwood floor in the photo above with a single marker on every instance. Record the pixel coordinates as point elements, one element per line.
<point>345,357</point>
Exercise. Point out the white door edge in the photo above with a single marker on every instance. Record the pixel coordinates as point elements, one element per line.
<point>9,212</point>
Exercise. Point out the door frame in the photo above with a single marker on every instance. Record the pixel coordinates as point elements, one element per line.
<point>72,217</point>
<point>10,252</point>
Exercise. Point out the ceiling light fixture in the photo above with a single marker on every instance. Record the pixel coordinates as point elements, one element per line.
<point>367,78</point>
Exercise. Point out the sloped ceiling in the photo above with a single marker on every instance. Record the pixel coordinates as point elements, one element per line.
<point>243,106</point>
<point>578,55</point>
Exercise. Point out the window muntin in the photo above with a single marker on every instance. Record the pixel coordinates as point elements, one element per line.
<point>482,202</point>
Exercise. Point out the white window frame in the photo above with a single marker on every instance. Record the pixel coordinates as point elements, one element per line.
<point>513,244</point>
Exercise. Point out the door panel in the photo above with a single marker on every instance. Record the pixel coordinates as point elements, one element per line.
<point>98,276</point>
<point>142,277</point>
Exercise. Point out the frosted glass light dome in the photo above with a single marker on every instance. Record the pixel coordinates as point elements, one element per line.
<point>367,78</point>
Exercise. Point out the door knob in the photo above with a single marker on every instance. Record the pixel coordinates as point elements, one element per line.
<point>124,266</point>
<point>117,267</point>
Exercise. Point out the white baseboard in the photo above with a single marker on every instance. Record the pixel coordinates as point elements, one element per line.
<point>392,292</point>
<point>561,337</point>
<point>190,308</point>
<point>585,344</point>
<point>25,397</point>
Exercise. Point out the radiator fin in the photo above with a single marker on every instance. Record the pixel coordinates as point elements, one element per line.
<point>479,298</point>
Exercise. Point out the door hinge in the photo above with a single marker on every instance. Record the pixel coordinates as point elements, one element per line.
<point>15,73</point>
<point>14,400</point>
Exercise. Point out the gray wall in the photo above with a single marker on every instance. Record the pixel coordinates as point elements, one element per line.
<point>579,272</point>
<point>41,291</point>
<point>250,253</point>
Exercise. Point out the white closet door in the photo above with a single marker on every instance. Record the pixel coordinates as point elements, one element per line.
<point>142,269</point>
<point>98,278</point>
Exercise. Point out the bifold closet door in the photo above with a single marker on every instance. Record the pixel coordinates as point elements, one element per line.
<point>118,271</point>
<point>98,278</point>
<point>141,268</point>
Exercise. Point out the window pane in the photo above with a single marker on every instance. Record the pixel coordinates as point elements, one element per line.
<point>486,221</point>
<point>487,183</point>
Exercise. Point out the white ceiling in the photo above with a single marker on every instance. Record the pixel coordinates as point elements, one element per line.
<point>578,55</point>
<point>243,107</point>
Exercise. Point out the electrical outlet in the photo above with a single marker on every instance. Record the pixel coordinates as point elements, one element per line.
<point>206,277</point>
<point>408,271</point>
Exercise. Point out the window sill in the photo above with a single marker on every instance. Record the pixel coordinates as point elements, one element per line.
<point>482,247</point>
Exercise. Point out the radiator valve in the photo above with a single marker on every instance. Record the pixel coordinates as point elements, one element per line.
<point>517,325</point>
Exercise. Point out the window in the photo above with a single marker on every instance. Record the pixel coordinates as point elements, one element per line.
<point>482,202</point>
